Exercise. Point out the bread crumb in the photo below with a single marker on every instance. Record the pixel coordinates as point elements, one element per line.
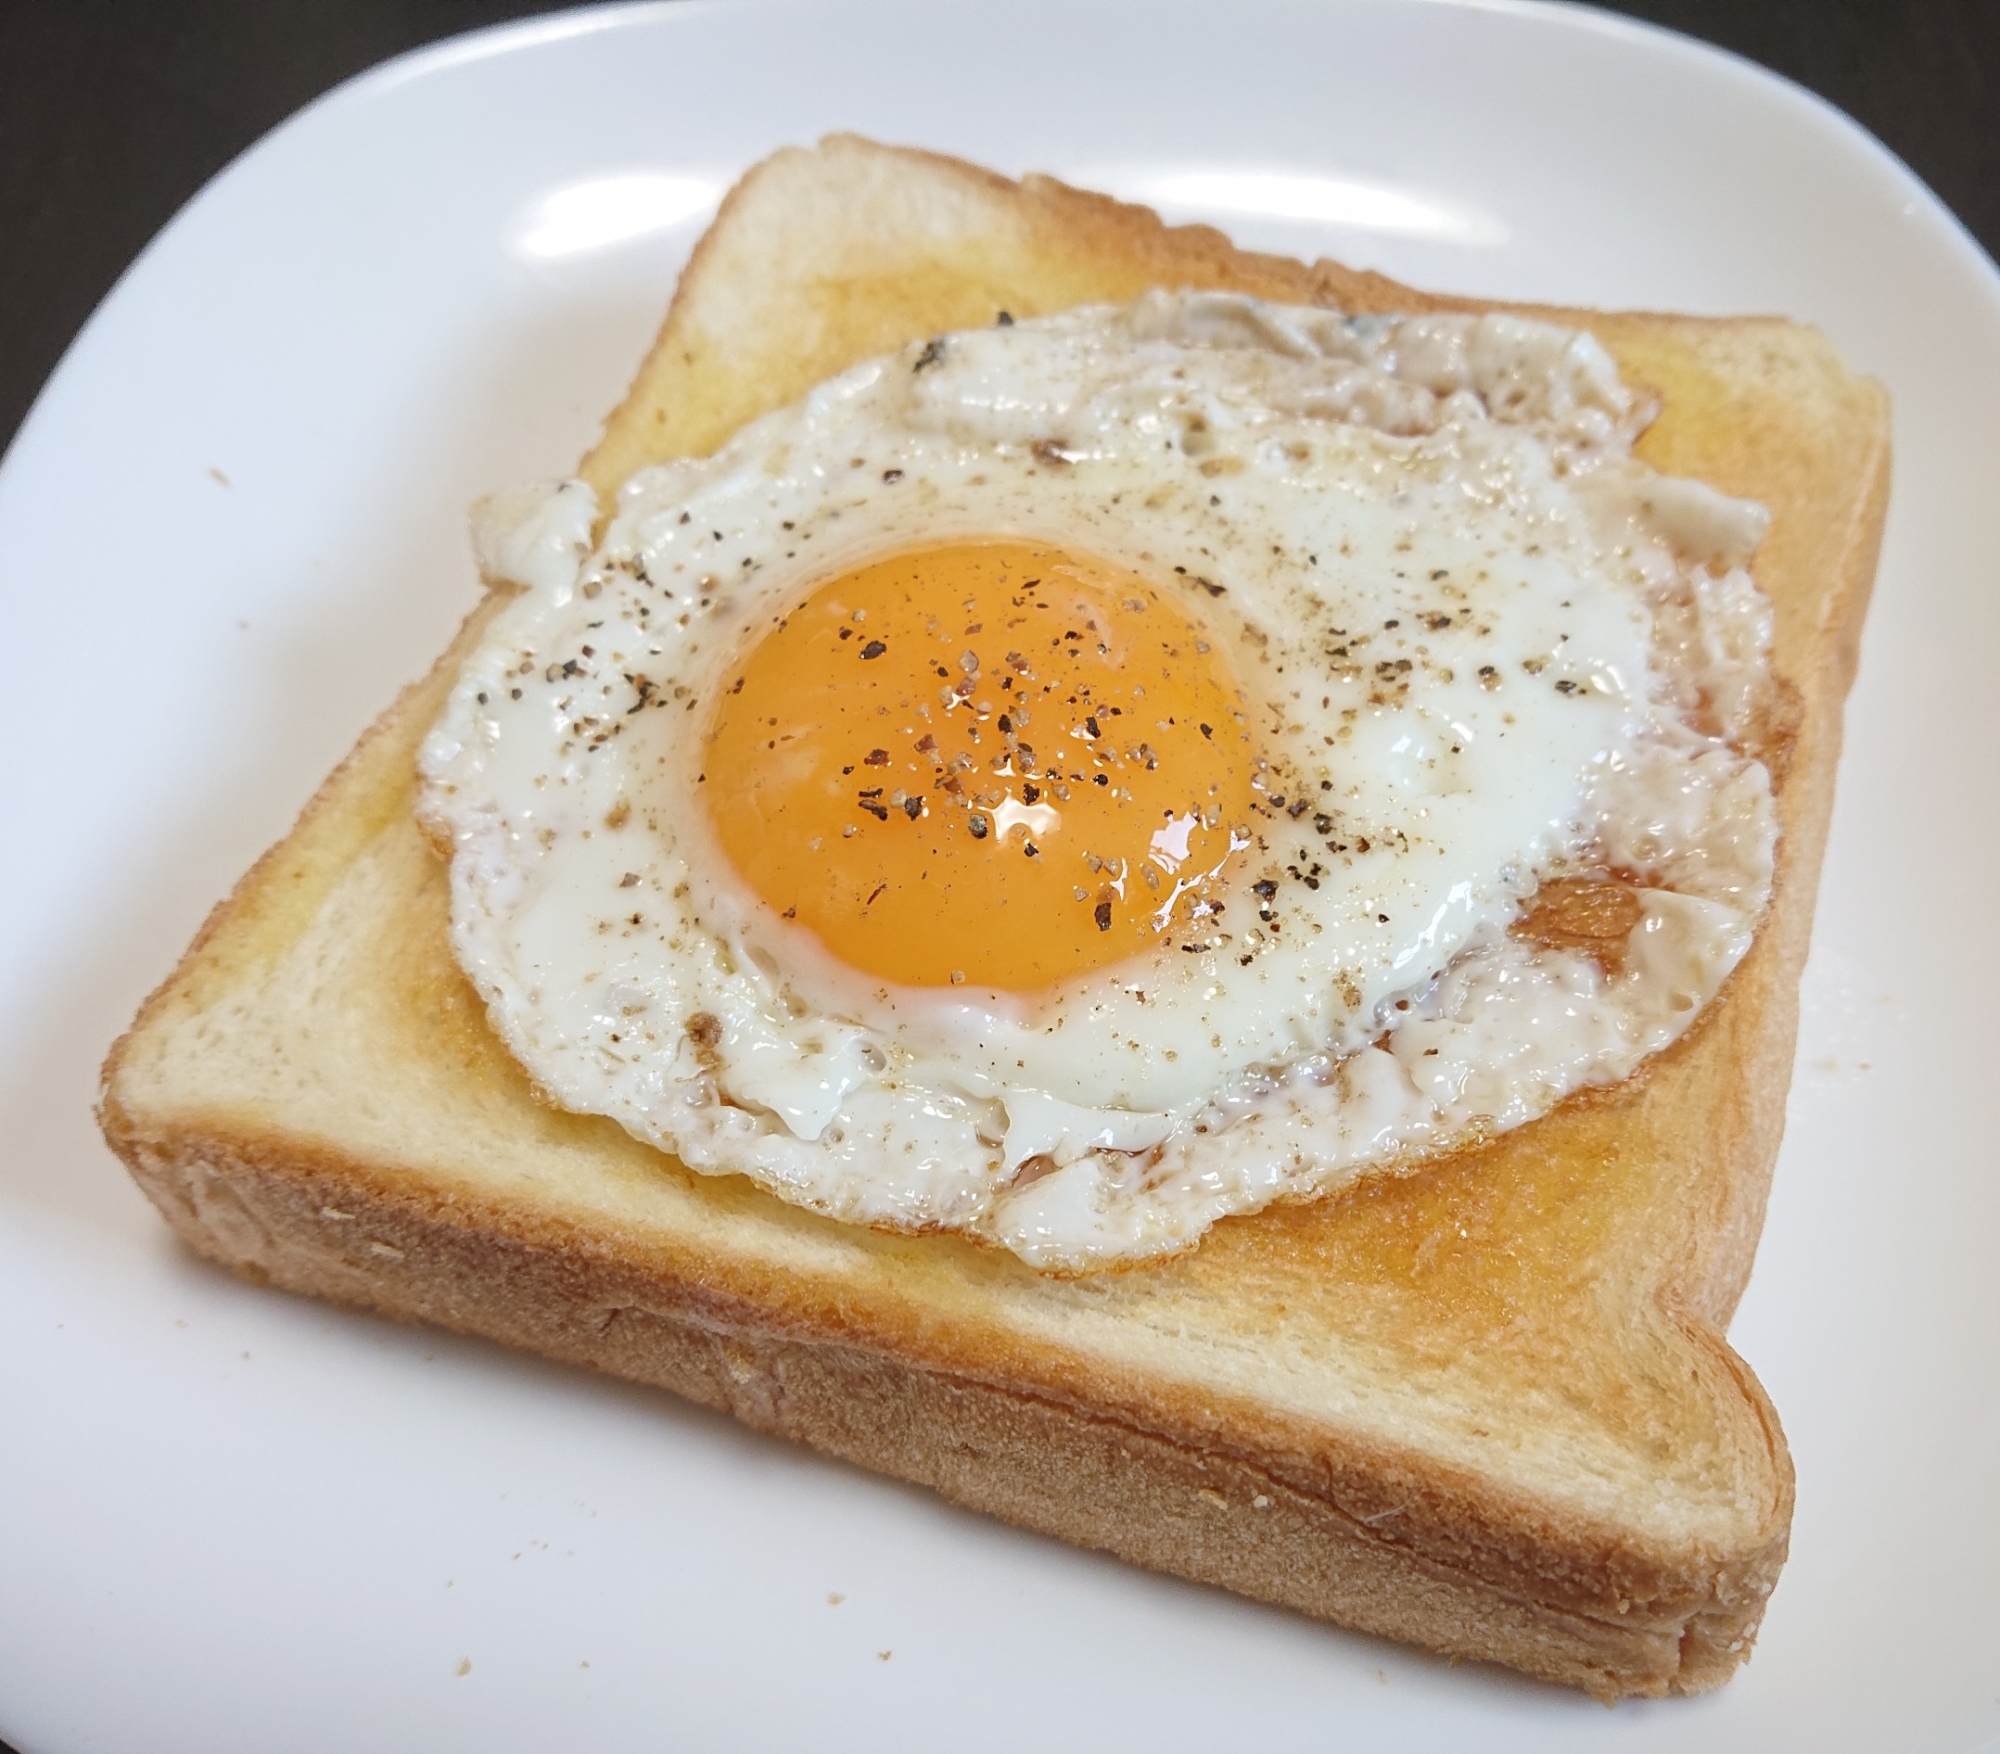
<point>465,1665</point>
<point>217,476</point>
<point>834,1598</point>
<point>1261,1502</point>
<point>1208,1495</point>
<point>884,1655</point>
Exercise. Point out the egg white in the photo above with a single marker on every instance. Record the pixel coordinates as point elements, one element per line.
<point>1472,637</point>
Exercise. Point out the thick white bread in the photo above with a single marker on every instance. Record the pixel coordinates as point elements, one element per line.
<point>1486,1407</point>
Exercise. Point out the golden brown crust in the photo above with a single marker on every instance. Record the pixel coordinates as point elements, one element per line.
<point>1556,1294</point>
<point>1197,1510</point>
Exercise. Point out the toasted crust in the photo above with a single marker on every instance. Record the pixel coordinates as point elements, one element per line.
<point>1485,1407</point>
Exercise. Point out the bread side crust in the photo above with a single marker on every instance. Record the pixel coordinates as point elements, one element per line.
<point>1395,1541</point>
<point>995,1446</point>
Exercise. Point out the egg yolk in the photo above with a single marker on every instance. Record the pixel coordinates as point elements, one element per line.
<point>996,762</point>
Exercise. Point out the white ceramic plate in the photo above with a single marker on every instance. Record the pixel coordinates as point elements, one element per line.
<point>233,525</point>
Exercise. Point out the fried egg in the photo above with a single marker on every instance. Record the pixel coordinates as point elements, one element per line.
<point>1072,781</point>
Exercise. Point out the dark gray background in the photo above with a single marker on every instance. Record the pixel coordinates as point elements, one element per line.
<point>113,112</point>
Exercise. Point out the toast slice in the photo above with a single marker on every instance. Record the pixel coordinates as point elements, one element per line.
<point>1486,1406</point>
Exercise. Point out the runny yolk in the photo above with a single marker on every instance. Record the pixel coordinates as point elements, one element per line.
<point>995,762</point>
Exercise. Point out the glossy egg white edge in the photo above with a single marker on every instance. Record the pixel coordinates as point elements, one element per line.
<point>1480,644</point>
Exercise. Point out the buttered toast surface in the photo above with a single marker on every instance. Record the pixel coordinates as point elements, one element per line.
<point>1486,1406</point>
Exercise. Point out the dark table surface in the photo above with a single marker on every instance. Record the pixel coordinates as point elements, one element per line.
<point>113,112</point>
